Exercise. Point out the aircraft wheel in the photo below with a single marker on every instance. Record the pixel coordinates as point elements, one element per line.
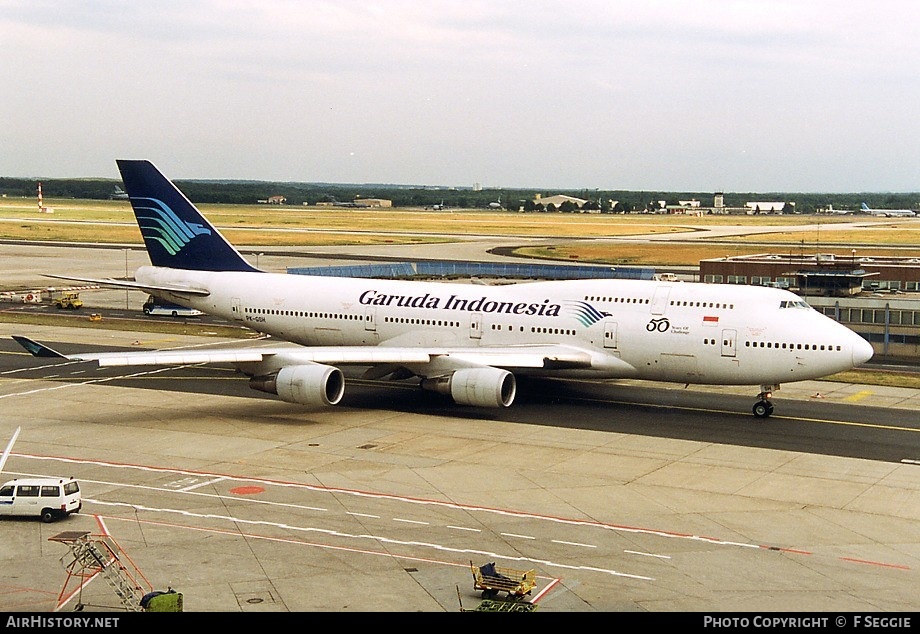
<point>762,409</point>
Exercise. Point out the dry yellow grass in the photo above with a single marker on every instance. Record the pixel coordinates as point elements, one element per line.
<point>262,225</point>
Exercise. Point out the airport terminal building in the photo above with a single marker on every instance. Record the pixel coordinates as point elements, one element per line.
<point>877,297</point>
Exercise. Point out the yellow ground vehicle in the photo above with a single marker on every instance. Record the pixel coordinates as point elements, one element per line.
<point>492,579</point>
<point>70,301</point>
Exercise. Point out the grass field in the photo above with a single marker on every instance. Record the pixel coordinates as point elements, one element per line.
<point>263,225</point>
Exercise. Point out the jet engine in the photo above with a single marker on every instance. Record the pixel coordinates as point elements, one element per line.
<point>483,387</point>
<point>312,384</point>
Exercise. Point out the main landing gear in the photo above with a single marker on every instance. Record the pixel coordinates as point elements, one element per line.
<point>763,408</point>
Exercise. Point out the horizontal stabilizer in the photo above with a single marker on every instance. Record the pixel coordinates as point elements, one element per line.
<point>136,286</point>
<point>37,349</point>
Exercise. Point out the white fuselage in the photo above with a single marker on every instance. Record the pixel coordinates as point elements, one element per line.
<point>682,332</point>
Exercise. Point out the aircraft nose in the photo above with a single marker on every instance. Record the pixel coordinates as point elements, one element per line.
<point>862,351</point>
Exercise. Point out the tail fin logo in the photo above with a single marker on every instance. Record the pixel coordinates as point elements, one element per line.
<point>160,223</point>
<point>587,314</point>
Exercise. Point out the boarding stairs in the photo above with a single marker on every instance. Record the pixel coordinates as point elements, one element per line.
<point>99,555</point>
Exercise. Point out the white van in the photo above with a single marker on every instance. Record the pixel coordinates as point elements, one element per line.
<point>48,498</point>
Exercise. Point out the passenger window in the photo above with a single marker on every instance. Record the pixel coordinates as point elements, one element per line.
<point>51,492</point>
<point>27,490</point>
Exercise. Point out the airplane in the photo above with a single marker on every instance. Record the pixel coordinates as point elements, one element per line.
<point>438,207</point>
<point>497,204</point>
<point>118,194</point>
<point>887,213</point>
<point>843,212</point>
<point>466,341</point>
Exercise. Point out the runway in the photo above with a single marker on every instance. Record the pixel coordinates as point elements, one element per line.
<point>622,496</point>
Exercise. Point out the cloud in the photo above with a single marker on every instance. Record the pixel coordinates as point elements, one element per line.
<point>541,93</point>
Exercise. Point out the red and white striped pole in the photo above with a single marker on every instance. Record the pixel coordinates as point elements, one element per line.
<point>40,208</point>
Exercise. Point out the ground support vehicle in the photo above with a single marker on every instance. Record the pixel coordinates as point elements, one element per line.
<point>492,579</point>
<point>48,498</point>
<point>70,301</point>
<point>154,306</point>
<point>489,605</point>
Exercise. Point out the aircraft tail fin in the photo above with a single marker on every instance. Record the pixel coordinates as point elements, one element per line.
<point>864,207</point>
<point>175,233</point>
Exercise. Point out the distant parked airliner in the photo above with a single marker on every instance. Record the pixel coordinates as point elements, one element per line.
<point>887,213</point>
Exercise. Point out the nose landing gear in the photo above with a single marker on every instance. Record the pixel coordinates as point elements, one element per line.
<point>763,408</point>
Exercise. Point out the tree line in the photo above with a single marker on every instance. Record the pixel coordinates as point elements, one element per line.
<point>298,194</point>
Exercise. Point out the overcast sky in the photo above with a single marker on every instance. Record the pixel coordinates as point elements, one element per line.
<point>673,95</point>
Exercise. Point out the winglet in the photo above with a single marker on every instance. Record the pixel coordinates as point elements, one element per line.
<point>37,349</point>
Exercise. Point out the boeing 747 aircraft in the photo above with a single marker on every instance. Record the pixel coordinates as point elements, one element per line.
<point>466,341</point>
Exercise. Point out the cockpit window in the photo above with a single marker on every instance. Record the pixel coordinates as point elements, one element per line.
<point>793,304</point>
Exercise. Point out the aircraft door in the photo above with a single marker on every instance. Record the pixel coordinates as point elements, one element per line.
<point>235,309</point>
<point>728,342</point>
<point>660,300</point>
<point>476,326</point>
<point>610,334</point>
<point>370,319</point>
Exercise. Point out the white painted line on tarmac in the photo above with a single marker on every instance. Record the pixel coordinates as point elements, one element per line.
<point>636,552</point>
<point>202,484</point>
<point>399,519</point>
<point>565,543</point>
<point>518,536</point>
<point>377,538</point>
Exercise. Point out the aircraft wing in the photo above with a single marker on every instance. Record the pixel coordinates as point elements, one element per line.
<point>135,286</point>
<point>423,361</point>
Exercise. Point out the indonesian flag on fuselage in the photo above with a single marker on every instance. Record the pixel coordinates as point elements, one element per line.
<point>710,320</point>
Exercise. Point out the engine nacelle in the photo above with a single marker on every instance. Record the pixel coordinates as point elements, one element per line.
<point>312,384</point>
<point>483,387</point>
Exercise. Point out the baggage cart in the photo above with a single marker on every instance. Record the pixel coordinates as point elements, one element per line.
<point>492,579</point>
